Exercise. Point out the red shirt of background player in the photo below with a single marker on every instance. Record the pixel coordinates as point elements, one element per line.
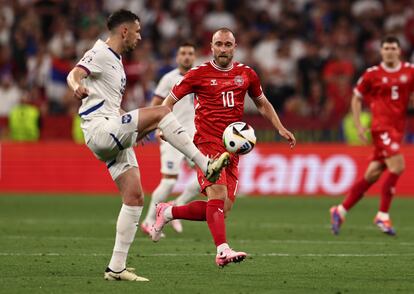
<point>387,92</point>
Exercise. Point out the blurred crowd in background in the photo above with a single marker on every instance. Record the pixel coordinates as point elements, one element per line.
<point>308,53</point>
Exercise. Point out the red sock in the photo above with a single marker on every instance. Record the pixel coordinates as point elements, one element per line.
<point>387,191</point>
<point>215,220</point>
<point>195,210</point>
<point>356,193</point>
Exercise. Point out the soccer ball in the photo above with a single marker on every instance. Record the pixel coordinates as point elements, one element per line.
<point>239,138</point>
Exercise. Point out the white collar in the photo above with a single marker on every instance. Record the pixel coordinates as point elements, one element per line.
<point>391,69</point>
<point>220,68</point>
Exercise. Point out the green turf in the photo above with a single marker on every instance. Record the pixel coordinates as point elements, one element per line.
<point>62,245</point>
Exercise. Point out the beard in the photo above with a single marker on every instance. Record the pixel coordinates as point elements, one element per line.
<point>223,60</point>
<point>130,47</point>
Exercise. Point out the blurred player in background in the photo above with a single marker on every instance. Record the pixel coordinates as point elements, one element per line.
<point>99,81</point>
<point>220,87</point>
<point>171,158</point>
<point>386,88</point>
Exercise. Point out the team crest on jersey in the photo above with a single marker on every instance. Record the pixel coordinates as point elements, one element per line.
<point>384,80</point>
<point>403,79</point>
<point>213,82</point>
<point>238,80</point>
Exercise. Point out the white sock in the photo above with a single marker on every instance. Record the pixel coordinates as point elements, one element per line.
<point>221,247</point>
<point>126,228</point>
<point>384,216</point>
<point>342,211</point>
<point>192,190</point>
<point>168,214</point>
<point>160,193</point>
<point>175,134</point>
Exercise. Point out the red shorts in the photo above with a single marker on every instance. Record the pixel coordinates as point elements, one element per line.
<point>228,176</point>
<point>386,144</point>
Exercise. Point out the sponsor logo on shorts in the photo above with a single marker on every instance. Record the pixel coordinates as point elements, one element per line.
<point>395,146</point>
<point>170,164</point>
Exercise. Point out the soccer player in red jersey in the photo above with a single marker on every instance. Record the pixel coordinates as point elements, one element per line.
<point>386,88</point>
<point>219,87</point>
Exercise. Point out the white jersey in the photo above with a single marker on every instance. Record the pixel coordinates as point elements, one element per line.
<point>183,109</point>
<point>106,82</point>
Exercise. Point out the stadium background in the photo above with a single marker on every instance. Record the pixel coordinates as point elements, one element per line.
<point>308,55</point>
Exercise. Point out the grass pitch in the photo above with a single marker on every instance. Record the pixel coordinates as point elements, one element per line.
<point>62,245</point>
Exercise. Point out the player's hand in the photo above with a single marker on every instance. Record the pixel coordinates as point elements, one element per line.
<point>288,136</point>
<point>81,92</point>
<point>362,134</point>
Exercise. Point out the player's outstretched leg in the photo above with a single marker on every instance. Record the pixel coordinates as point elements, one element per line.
<point>160,221</point>
<point>215,166</point>
<point>159,195</point>
<point>175,134</point>
<point>191,190</point>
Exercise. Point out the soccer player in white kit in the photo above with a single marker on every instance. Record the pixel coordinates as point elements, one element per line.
<point>171,158</point>
<point>99,81</point>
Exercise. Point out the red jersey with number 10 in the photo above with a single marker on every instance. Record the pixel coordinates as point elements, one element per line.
<point>387,92</point>
<point>219,96</point>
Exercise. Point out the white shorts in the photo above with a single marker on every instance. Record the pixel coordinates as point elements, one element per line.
<point>171,159</point>
<point>111,140</point>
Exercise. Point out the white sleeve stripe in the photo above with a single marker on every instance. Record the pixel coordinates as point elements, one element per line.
<point>259,97</point>
<point>357,93</point>
<point>174,97</point>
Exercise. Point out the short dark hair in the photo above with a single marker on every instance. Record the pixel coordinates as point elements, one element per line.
<point>119,17</point>
<point>186,44</point>
<point>390,39</point>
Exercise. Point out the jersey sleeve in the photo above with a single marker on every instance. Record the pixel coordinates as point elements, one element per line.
<point>163,88</point>
<point>363,85</point>
<point>186,85</point>
<point>92,62</point>
<point>255,89</point>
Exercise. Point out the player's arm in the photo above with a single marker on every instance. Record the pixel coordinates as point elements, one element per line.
<point>356,107</point>
<point>156,100</point>
<point>183,87</point>
<point>74,80</point>
<point>266,109</point>
<point>362,89</point>
<point>169,101</point>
